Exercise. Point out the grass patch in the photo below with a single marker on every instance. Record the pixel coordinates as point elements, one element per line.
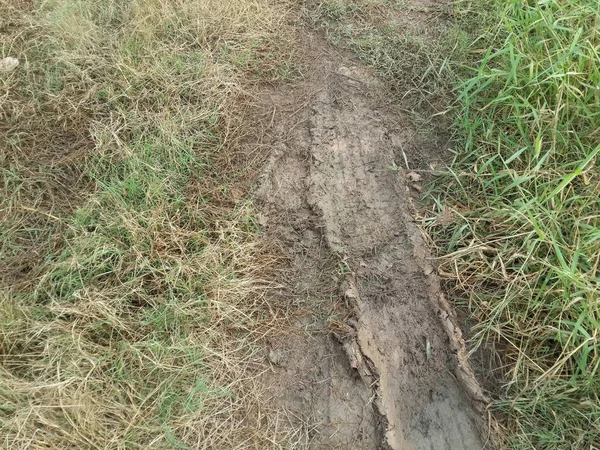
<point>522,246</point>
<point>133,283</point>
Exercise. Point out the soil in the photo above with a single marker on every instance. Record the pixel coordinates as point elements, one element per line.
<point>373,358</point>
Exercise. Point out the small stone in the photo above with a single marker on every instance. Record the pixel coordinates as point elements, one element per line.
<point>275,357</point>
<point>351,294</point>
<point>8,64</point>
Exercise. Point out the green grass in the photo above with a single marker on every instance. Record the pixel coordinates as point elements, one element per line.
<point>132,287</point>
<point>523,248</point>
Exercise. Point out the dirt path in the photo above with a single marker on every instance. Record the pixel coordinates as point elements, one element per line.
<point>375,361</point>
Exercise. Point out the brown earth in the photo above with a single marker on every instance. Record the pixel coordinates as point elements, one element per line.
<point>373,359</point>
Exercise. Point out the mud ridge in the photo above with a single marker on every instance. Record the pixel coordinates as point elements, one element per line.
<point>393,373</point>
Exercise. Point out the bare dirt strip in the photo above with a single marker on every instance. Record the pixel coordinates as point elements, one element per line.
<point>376,361</point>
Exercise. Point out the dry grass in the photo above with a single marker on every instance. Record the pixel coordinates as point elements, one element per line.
<point>133,286</point>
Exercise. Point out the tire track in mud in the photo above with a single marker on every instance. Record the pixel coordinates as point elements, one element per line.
<point>395,378</point>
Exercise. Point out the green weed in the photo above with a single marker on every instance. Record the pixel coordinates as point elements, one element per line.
<point>523,248</point>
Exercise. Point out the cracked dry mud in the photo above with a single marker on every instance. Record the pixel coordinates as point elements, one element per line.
<point>376,362</point>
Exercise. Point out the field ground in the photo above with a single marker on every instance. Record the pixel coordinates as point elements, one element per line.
<point>515,216</point>
<point>218,216</point>
<point>133,282</point>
